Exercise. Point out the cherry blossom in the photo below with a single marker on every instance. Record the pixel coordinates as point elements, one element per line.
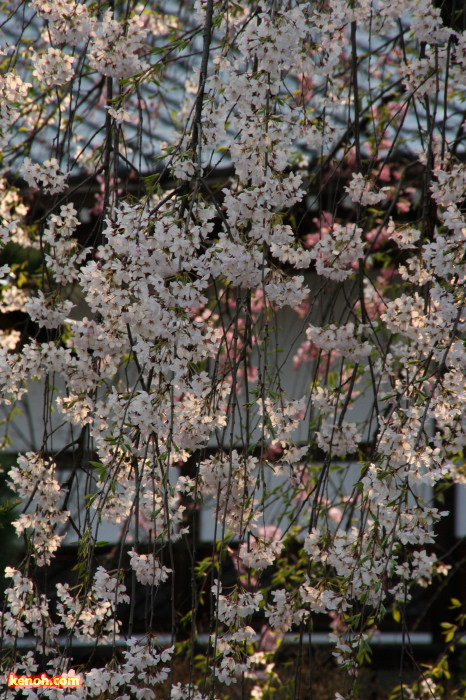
<point>232,245</point>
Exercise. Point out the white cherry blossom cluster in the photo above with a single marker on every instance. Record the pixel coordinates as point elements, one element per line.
<point>286,292</point>
<point>321,599</point>
<point>360,191</point>
<point>443,256</point>
<point>279,419</point>
<point>419,77</point>
<point>324,401</point>
<point>340,440</point>
<point>191,422</point>
<point>185,692</point>
<point>184,169</point>
<point>93,616</point>
<point>340,339</point>
<point>282,613</point>
<point>142,669</point>
<point>12,212</point>
<point>346,650</point>
<point>163,508</point>
<point>230,480</point>
<point>148,570</point>
<point>35,483</point>
<point>117,506</point>
<point>232,665</point>
<point>159,503</point>
<point>115,45</point>
<point>46,313</point>
<point>140,672</point>
<point>68,22</point>
<point>236,606</point>
<point>336,253</point>
<point>13,97</point>
<point>262,549</point>
<point>407,316</point>
<point>427,25</point>
<point>362,568</point>
<point>405,238</point>
<point>274,40</point>
<point>54,67</point>
<point>19,616</point>
<point>449,186</point>
<point>10,340</point>
<point>47,175</point>
<point>12,377</point>
<point>182,289</point>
